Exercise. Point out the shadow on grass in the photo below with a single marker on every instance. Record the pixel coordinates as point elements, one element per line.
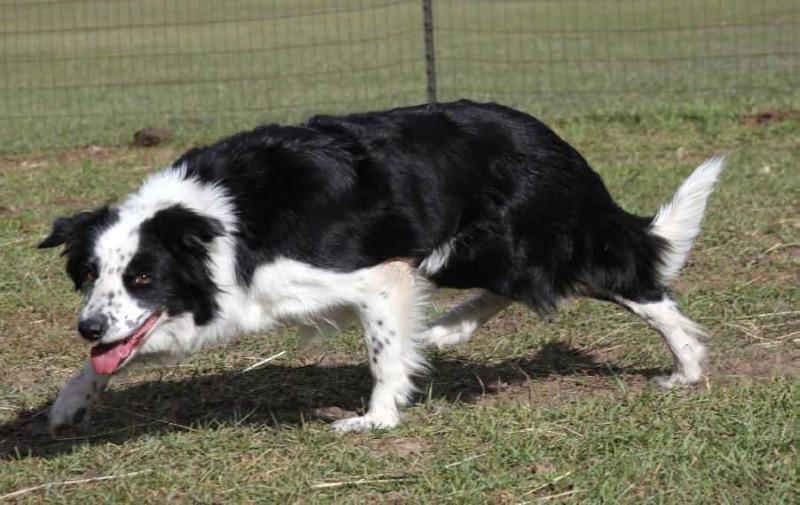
<point>284,395</point>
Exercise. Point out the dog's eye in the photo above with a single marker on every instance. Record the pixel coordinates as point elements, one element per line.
<point>88,277</point>
<point>141,279</point>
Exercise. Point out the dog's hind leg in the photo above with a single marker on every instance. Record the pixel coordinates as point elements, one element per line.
<point>677,224</point>
<point>391,312</point>
<point>682,336</point>
<point>74,403</point>
<point>463,320</point>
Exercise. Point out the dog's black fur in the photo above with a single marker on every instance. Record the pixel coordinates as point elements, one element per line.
<point>77,234</point>
<point>530,219</point>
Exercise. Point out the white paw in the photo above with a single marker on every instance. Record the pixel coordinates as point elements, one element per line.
<point>676,380</point>
<point>443,337</point>
<point>365,423</point>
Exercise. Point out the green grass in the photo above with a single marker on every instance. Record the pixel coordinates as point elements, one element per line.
<point>82,73</point>
<point>722,446</point>
<point>528,409</point>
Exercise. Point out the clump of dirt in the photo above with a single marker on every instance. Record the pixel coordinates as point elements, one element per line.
<point>149,137</point>
<point>768,117</point>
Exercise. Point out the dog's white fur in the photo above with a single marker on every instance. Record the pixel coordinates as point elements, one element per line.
<point>678,221</point>
<point>682,336</point>
<point>437,259</point>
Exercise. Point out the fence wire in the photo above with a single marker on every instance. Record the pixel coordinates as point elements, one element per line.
<point>81,72</point>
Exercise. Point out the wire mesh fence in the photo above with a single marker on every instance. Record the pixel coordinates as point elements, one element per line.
<point>80,72</point>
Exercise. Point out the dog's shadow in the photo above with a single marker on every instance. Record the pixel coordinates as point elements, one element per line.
<point>281,395</point>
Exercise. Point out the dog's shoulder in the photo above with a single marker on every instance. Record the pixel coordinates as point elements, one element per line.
<point>275,158</point>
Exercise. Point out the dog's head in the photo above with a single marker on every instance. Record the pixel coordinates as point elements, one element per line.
<point>145,278</point>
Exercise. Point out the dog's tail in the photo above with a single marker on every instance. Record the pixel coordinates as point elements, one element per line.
<point>678,220</point>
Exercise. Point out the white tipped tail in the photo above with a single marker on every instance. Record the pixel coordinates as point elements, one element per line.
<point>678,221</point>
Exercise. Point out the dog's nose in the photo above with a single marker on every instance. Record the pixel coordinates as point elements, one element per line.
<point>93,328</point>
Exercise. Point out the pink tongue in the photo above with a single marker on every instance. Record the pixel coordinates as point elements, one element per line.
<point>107,357</point>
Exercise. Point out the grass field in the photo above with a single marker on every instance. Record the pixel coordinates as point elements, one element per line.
<point>529,411</point>
<point>90,72</point>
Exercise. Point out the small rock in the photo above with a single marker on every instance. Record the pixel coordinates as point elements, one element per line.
<point>149,137</point>
<point>796,342</point>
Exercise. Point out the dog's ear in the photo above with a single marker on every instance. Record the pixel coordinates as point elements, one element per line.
<point>183,230</point>
<point>68,229</point>
<point>60,234</point>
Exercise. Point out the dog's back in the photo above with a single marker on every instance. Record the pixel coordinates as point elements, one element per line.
<point>479,195</point>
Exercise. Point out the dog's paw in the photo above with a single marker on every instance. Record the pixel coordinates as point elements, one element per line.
<point>675,380</point>
<point>365,423</point>
<point>68,412</point>
<point>443,337</point>
<point>73,406</point>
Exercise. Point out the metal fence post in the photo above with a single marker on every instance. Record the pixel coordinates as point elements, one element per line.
<point>430,51</point>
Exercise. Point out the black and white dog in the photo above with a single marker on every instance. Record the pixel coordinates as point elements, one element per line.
<point>356,215</point>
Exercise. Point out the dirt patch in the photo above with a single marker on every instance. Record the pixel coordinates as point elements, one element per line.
<point>116,155</point>
<point>557,375</point>
<point>755,362</point>
<point>499,497</point>
<point>543,467</point>
<point>768,117</point>
<point>403,447</point>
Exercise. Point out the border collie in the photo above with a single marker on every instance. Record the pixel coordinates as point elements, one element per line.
<point>356,215</point>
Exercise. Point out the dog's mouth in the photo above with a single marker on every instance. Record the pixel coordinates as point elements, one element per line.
<point>106,358</point>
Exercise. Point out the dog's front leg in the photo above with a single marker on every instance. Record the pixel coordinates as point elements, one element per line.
<point>74,403</point>
<point>391,314</point>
